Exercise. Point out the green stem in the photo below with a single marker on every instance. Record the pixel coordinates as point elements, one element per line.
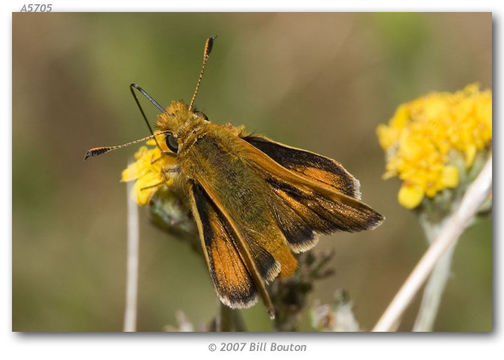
<point>228,319</point>
<point>238,321</point>
<point>223,318</point>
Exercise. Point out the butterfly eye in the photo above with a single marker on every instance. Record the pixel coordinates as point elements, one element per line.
<point>171,142</point>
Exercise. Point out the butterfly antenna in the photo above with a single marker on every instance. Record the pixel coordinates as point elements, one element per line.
<point>105,149</point>
<point>206,54</point>
<point>154,102</point>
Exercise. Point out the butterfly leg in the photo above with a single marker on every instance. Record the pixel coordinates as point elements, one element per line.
<point>170,169</point>
<point>167,153</point>
<point>164,171</point>
<point>153,186</point>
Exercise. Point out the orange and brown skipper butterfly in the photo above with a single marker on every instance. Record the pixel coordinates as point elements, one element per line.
<point>255,201</point>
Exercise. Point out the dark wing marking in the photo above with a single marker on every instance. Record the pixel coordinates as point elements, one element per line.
<point>308,164</point>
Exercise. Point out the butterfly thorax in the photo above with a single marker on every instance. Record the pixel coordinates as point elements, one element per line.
<point>184,124</point>
<point>175,117</point>
<point>188,126</point>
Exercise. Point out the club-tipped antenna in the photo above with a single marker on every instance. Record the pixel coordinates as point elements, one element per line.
<point>105,149</point>
<point>206,54</point>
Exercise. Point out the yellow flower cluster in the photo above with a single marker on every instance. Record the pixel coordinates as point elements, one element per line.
<point>148,172</point>
<point>424,135</point>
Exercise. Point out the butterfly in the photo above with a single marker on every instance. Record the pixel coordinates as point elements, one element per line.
<point>256,202</point>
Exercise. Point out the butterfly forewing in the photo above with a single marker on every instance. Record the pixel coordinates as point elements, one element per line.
<point>314,205</point>
<point>231,279</point>
<point>316,167</point>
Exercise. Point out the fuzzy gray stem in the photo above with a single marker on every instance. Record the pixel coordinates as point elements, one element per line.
<point>433,293</point>
<point>130,312</point>
<point>475,196</point>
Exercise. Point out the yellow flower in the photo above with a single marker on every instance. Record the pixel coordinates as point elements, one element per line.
<point>410,196</point>
<point>425,135</point>
<point>148,172</point>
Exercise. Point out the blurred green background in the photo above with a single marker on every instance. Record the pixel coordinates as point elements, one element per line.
<point>319,81</point>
